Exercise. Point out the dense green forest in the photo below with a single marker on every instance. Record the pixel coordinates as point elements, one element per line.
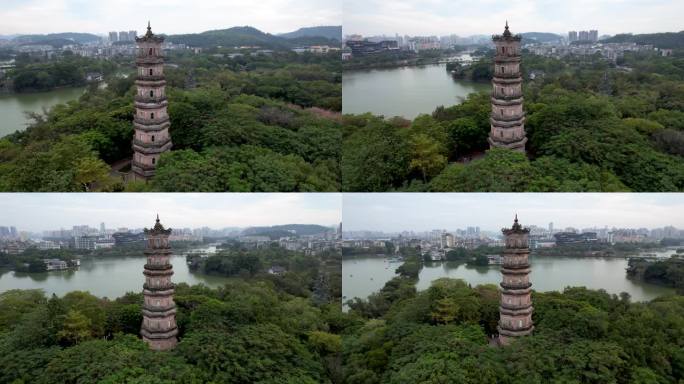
<point>669,272</point>
<point>70,70</point>
<point>591,127</point>
<point>319,273</point>
<point>250,123</point>
<point>441,335</point>
<point>244,332</point>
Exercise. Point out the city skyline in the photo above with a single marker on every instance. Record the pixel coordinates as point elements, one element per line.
<point>167,16</point>
<point>398,212</point>
<point>51,211</point>
<point>442,17</point>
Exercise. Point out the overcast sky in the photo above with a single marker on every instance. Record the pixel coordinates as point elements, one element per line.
<point>394,212</point>
<point>464,18</point>
<point>167,16</point>
<point>42,211</point>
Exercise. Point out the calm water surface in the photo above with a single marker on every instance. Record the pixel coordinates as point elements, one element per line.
<point>406,91</point>
<point>107,277</point>
<point>12,107</point>
<point>363,276</point>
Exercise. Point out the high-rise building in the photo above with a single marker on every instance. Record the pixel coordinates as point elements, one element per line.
<point>102,228</point>
<point>593,35</point>
<point>151,121</point>
<point>123,36</point>
<point>515,310</point>
<point>84,242</point>
<point>572,36</point>
<point>584,36</point>
<point>507,116</point>
<point>113,37</point>
<point>132,35</point>
<point>159,327</point>
<point>551,228</point>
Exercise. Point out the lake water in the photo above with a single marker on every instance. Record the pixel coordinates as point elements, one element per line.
<point>406,91</point>
<point>13,106</point>
<point>363,276</point>
<point>106,277</point>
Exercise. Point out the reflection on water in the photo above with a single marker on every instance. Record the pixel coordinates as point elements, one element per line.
<point>14,106</point>
<point>406,92</point>
<point>361,277</point>
<point>110,277</point>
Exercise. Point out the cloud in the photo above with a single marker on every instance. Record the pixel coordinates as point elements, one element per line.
<point>438,17</point>
<point>37,212</point>
<point>167,16</point>
<point>421,212</point>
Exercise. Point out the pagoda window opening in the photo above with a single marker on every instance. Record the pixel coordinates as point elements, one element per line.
<point>153,161</point>
<point>153,138</point>
<point>151,93</point>
<point>151,72</point>
<point>503,70</point>
<point>152,115</point>
<point>150,53</point>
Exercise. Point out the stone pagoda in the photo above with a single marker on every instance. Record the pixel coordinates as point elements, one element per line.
<point>151,121</point>
<point>515,310</point>
<point>159,328</point>
<point>507,117</point>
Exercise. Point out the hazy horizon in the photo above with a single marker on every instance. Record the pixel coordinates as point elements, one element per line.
<point>487,17</point>
<point>20,17</point>
<point>50,211</point>
<point>397,212</point>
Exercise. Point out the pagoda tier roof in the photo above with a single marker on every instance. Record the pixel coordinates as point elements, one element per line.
<point>158,229</point>
<point>507,35</point>
<point>149,36</point>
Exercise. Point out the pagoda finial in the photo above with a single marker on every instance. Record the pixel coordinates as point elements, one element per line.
<point>506,24</point>
<point>158,217</point>
<point>149,30</point>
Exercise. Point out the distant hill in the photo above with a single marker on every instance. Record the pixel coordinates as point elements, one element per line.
<point>248,36</point>
<point>231,37</point>
<point>333,32</point>
<point>668,40</point>
<point>540,37</point>
<point>57,38</point>
<point>277,231</point>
